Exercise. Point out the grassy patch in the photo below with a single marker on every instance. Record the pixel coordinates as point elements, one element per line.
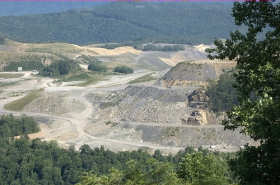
<point>10,75</point>
<point>92,80</point>
<point>19,104</point>
<point>141,79</point>
<point>76,77</point>
<point>27,63</point>
<point>87,78</point>
<point>5,84</point>
<point>53,48</point>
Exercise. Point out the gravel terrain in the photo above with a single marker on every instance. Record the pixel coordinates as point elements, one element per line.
<point>120,117</point>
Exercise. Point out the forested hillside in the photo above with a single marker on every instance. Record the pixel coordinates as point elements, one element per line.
<point>120,22</point>
<point>35,162</point>
<point>8,8</point>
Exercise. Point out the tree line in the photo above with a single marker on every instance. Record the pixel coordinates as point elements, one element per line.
<point>36,162</point>
<point>120,22</point>
<point>257,78</point>
<point>222,94</point>
<point>60,67</point>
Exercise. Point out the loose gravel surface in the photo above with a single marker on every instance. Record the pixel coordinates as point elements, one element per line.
<point>79,117</point>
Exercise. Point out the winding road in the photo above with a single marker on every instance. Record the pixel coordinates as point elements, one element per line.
<point>75,123</point>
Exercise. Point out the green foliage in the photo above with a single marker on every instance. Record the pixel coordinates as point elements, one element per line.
<point>33,162</point>
<point>100,161</point>
<point>92,79</point>
<point>97,66</point>
<point>28,8</point>
<point>152,47</point>
<point>27,162</point>
<point>203,169</point>
<point>11,75</point>
<point>19,104</point>
<point>141,79</point>
<point>27,63</point>
<point>4,84</point>
<point>222,94</point>
<point>113,45</point>
<point>88,59</point>
<point>257,77</point>
<point>58,68</point>
<point>246,167</point>
<point>13,126</point>
<point>120,22</point>
<point>123,69</point>
<point>194,168</point>
<point>76,77</point>
<point>153,173</point>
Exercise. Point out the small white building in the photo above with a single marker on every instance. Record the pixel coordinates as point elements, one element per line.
<point>19,69</point>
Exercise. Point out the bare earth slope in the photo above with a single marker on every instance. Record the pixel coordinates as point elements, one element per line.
<point>127,117</point>
<point>46,53</point>
<point>191,73</point>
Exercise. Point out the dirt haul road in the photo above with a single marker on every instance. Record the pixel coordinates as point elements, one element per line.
<point>69,129</point>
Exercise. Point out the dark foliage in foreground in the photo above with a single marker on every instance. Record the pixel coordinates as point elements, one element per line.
<point>26,162</point>
<point>222,94</point>
<point>257,79</point>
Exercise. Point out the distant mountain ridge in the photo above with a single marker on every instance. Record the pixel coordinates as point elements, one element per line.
<point>17,8</point>
<point>177,22</point>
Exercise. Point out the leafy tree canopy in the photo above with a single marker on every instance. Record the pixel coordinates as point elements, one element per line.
<point>153,173</point>
<point>97,66</point>
<point>203,169</point>
<point>61,67</point>
<point>124,21</point>
<point>35,162</point>
<point>13,126</point>
<point>258,83</point>
<point>222,94</point>
<point>123,69</point>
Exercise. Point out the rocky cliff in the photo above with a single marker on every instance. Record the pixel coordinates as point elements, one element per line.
<point>195,73</point>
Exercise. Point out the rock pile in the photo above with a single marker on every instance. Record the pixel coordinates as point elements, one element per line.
<point>186,73</point>
<point>198,99</point>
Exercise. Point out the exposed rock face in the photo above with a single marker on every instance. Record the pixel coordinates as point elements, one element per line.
<point>146,104</point>
<point>192,136</point>
<point>197,117</point>
<point>195,73</point>
<point>191,72</point>
<point>149,104</point>
<point>198,99</point>
<point>164,116</point>
<point>186,73</point>
<point>173,113</point>
<point>54,103</point>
